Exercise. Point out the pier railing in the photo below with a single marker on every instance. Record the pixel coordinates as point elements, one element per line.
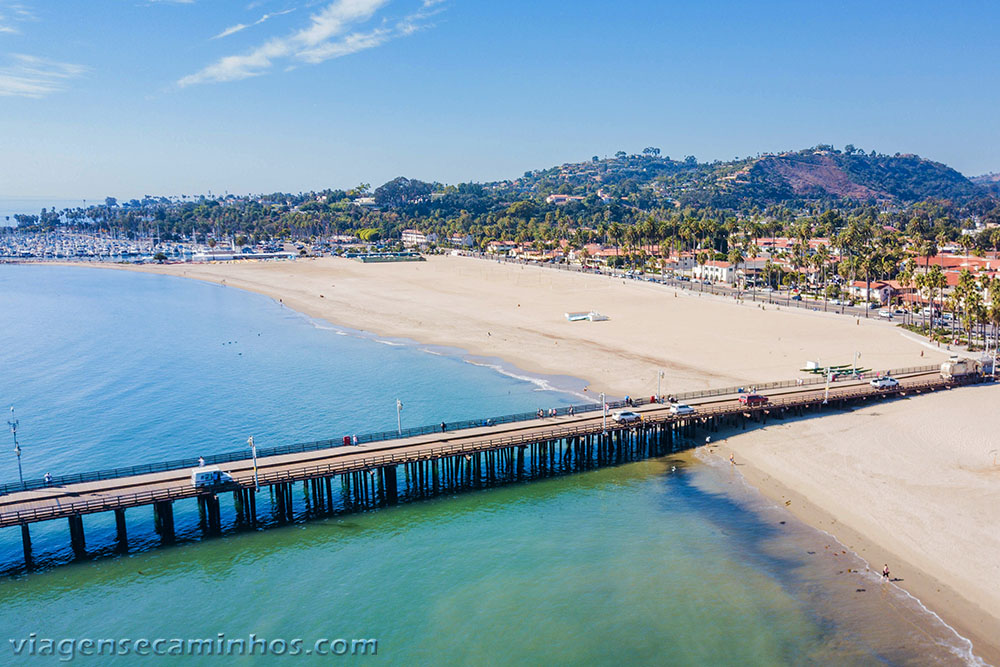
<point>473,446</point>
<point>381,436</point>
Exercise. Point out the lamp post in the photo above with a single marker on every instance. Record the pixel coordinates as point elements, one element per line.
<point>253,452</point>
<point>659,376</point>
<point>399,423</point>
<point>12,422</point>
<point>604,413</point>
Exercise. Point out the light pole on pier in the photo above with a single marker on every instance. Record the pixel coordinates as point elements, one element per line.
<point>604,413</point>
<point>12,422</point>
<point>659,376</point>
<point>399,423</point>
<point>253,452</point>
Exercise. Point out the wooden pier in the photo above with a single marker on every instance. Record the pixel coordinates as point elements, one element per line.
<point>357,478</point>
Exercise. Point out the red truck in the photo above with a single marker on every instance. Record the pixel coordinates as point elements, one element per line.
<point>753,400</point>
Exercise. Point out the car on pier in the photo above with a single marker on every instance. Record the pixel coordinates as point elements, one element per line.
<point>681,409</point>
<point>626,417</point>
<point>209,476</point>
<point>753,400</point>
<point>884,382</point>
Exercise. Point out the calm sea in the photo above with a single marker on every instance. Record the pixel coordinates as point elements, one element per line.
<point>33,206</point>
<point>668,561</point>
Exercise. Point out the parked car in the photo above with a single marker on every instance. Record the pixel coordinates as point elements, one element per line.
<point>884,382</point>
<point>885,313</point>
<point>752,400</point>
<point>681,409</point>
<point>796,297</point>
<point>209,476</point>
<point>626,417</point>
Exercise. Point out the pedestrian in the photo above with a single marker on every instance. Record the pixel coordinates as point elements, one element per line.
<point>885,572</point>
<point>732,459</point>
<point>354,439</point>
<point>571,411</point>
<point>201,461</point>
<point>48,478</point>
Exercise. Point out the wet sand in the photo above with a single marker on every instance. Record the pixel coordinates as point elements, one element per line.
<point>912,483</point>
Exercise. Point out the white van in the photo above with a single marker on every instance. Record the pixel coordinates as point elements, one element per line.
<point>207,476</point>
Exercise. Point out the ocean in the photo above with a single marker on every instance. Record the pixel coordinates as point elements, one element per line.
<point>666,561</point>
<point>9,207</point>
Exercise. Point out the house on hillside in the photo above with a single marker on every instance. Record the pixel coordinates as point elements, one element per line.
<point>560,200</point>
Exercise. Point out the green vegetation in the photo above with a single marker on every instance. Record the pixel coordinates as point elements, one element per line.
<point>636,202</point>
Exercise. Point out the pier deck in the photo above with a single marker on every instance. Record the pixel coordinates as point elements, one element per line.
<point>22,508</point>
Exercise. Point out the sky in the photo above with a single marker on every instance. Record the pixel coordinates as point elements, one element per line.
<point>168,97</point>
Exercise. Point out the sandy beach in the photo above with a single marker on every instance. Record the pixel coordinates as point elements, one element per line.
<point>909,482</point>
<point>516,313</point>
<point>913,483</point>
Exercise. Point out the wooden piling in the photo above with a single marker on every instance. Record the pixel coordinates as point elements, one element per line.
<point>26,544</point>
<point>76,536</point>
<point>121,532</point>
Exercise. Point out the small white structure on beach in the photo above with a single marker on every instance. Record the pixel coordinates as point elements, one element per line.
<point>592,316</point>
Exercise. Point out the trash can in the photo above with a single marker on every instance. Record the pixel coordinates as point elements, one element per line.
<point>347,440</point>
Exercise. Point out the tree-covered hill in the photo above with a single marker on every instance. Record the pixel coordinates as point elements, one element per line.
<point>820,175</point>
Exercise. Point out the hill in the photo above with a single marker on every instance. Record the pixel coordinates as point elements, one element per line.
<point>820,175</point>
<point>990,182</point>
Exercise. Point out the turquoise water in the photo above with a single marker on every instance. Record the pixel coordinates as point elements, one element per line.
<point>668,561</point>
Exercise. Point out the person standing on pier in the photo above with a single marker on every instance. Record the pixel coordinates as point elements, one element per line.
<point>444,427</point>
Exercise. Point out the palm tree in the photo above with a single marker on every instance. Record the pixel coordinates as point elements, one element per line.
<point>702,257</point>
<point>820,260</point>
<point>736,258</point>
<point>920,280</point>
<point>905,280</point>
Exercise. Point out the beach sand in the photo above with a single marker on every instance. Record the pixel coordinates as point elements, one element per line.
<point>516,313</point>
<point>906,482</point>
<point>912,483</point>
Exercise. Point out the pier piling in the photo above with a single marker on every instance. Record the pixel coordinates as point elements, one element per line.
<point>76,537</point>
<point>121,532</point>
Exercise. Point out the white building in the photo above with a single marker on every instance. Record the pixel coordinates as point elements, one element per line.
<point>412,238</point>
<point>560,200</point>
<point>717,272</point>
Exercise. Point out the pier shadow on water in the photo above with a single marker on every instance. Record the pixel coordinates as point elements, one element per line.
<point>664,561</point>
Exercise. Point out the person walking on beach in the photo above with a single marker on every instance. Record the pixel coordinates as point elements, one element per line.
<point>885,572</point>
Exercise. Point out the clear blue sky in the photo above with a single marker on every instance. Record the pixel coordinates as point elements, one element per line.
<point>132,97</point>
